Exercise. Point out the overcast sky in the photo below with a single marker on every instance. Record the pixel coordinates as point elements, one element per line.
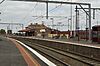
<point>26,12</point>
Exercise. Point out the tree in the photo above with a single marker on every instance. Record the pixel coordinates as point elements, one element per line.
<point>2,31</point>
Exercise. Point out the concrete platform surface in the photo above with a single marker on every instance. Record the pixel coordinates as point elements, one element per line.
<point>9,54</point>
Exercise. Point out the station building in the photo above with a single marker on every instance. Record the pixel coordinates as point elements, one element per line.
<point>36,30</point>
<point>41,30</point>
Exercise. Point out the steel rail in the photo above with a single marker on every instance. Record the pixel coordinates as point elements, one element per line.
<point>57,51</point>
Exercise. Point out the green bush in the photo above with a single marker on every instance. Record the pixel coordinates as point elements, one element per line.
<point>2,31</point>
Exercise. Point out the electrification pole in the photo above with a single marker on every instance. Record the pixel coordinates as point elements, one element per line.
<point>73,3</point>
<point>71,20</point>
<point>47,10</point>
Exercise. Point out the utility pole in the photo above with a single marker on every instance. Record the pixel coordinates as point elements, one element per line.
<point>71,20</point>
<point>73,26</point>
<point>77,23</point>
<point>52,22</point>
<point>47,10</point>
<point>86,27</point>
<point>90,34</point>
<point>89,15</point>
<point>73,3</point>
<point>69,27</point>
<point>52,26</point>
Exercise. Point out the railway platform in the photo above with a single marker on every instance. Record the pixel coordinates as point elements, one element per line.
<point>80,53</point>
<point>12,54</point>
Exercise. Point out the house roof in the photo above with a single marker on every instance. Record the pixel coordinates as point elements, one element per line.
<point>37,26</point>
<point>26,30</point>
<point>33,27</point>
<point>96,26</point>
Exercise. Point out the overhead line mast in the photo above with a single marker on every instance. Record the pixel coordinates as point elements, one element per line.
<point>57,2</point>
<point>73,3</point>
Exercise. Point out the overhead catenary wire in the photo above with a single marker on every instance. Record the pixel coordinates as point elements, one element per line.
<point>30,11</point>
<point>48,11</point>
<point>44,14</point>
<point>4,9</point>
<point>2,1</point>
<point>51,11</point>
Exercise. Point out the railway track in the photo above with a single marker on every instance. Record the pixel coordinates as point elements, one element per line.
<point>47,53</point>
<point>58,57</point>
<point>51,57</point>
